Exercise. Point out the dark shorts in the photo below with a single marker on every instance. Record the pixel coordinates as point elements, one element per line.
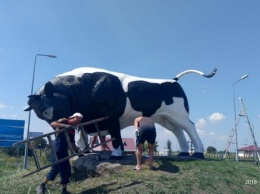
<point>146,133</point>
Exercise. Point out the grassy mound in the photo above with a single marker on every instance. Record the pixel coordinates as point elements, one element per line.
<point>171,175</point>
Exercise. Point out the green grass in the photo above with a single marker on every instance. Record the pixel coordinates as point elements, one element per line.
<point>172,175</point>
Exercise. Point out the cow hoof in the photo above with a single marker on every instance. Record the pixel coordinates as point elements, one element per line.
<point>183,154</point>
<point>116,157</point>
<point>198,155</point>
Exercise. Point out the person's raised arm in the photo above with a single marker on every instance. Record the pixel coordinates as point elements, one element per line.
<point>136,123</point>
<point>59,124</point>
<point>56,124</point>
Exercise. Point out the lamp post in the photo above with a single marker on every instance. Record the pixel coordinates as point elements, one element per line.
<point>29,118</point>
<point>235,114</point>
<point>247,152</point>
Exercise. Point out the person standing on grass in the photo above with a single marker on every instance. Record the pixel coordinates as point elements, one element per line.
<point>145,131</point>
<point>61,149</point>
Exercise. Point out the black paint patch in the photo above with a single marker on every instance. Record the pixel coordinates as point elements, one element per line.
<point>147,97</point>
<point>94,94</point>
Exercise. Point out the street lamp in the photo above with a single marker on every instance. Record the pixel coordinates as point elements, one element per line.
<point>247,152</point>
<point>235,114</point>
<point>29,118</point>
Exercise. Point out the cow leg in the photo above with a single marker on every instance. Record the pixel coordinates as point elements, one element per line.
<point>184,147</point>
<point>118,146</point>
<point>177,116</point>
<point>190,129</point>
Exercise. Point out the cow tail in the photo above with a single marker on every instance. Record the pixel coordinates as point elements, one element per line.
<point>195,71</point>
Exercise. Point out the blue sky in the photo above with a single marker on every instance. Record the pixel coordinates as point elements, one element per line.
<point>153,39</point>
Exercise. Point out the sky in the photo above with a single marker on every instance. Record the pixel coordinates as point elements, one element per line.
<point>150,39</point>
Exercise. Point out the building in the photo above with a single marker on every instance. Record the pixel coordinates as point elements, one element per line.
<point>164,152</point>
<point>247,151</point>
<point>129,145</point>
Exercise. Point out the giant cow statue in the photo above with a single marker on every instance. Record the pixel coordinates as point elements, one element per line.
<point>96,93</point>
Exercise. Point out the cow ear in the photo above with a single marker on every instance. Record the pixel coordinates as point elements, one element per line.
<point>49,89</point>
<point>34,97</point>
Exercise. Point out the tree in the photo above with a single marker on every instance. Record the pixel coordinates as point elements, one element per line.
<point>169,147</point>
<point>40,143</point>
<point>211,150</point>
<point>145,147</point>
<point>155,145</point>
<point>14,151</point>
<point>11,151</point>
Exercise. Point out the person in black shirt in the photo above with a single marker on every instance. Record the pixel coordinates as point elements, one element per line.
<point>145,131</point>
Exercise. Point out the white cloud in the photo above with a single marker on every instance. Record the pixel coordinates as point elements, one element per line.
<point>9,116</point>
<point>212,133</point>
<point>200,124</point>
<point>3,115</point>
<point>223,137</point>
<point>199,127</point>
<point>2,106</point>
<point>13,115</point>
<point>216,117</point>
<point>5,111</point>
<point>201,132</point>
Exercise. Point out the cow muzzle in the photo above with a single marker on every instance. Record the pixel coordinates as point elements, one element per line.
<point>48,113</point>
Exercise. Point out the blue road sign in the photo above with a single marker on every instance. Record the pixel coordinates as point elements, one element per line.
<point>11,131</point>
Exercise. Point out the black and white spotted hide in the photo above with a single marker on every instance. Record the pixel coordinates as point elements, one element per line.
<point>97,93</point>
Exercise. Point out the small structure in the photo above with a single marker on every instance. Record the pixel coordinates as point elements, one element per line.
<point>164,152</point>
<point>247,151</point>
<point>129,145</point>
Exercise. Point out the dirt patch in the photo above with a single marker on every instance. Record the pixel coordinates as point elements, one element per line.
<point>101,164</point>
<point>98,164</point>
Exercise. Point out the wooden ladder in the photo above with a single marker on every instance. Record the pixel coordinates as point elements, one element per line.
<point>65,131</point>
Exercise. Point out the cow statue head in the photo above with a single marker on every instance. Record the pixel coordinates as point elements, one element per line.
<point>49,105</point>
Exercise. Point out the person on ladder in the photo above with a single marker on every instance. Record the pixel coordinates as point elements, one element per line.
<point>61,149</point>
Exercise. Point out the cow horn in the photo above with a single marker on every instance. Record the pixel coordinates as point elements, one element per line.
<point>28,108</point>
<point>31,98</point>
